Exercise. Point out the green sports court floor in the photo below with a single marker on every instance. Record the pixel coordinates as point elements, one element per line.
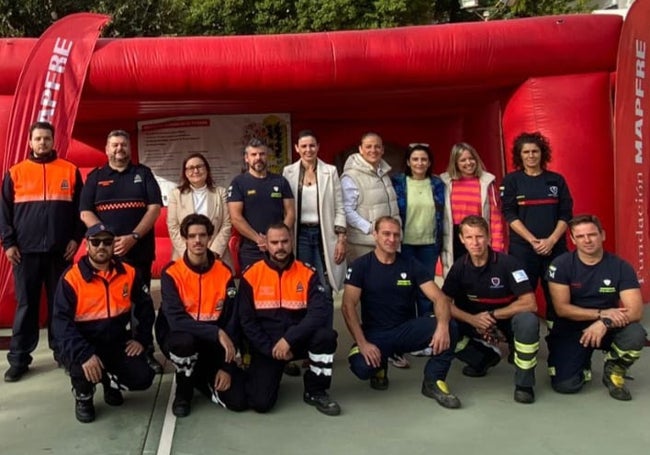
<point>37,417</point>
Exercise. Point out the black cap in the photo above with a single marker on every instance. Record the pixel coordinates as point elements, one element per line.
<point>98,229</point>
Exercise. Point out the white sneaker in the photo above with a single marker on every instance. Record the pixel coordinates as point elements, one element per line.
<point>426,352</point>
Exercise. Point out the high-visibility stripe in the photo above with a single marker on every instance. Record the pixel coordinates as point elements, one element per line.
<point>625,354</point>
<point>551,371</point>
<point>24,198</point>
<point>549,201</point>
<point>100,314</point>
<point>120,206</point>
<point>525,364</point>
<point>354,350</point>
<point>320,371</point>
<point>461,344</point>
<point>273,304</point>
<point>587,375</point>
<point>321,358</point>
<point>527,348</point>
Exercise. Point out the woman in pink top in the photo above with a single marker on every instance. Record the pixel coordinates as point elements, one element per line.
<point>470,190</point>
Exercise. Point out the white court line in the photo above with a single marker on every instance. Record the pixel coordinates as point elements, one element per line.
<point>169,424</point>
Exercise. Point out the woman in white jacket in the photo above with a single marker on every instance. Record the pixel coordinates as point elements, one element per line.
<point>320,230</point>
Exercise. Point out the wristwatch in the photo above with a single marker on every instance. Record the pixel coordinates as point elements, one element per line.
<point>607,322</point>
<point>135,235</point>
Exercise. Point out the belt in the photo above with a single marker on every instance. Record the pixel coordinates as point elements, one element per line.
<point>309,225</point>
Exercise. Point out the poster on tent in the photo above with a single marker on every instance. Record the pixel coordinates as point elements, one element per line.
<point>164,143</point>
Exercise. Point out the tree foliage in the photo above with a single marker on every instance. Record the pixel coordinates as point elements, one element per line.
<point>235,17</point>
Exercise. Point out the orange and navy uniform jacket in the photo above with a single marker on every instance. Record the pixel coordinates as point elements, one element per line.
<point>279,302</point>
<point>197,300</point>
<point>39,211</point>
<point>94,307</point>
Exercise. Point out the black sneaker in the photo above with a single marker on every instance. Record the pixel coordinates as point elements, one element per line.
<point>113,397</point>
<point>524,395</point>
<point>439,391</point>
<point>292,369</point>
<point>379,380</point>
<point>84,409</point>
<point>154,364</point>
<point>323,403</point>
<point>491,359</point>
<point>614,380</point>
<point>181,407</point>
<point>14,373</point>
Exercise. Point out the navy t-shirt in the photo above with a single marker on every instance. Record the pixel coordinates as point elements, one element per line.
<point>537,201</point>
<point>494,285</point>
<point>120,200</point>
<point>263,200</point>
<point>388,291</point>
<point>593,286</point>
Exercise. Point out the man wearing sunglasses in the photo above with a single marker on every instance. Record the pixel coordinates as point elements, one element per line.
<point>97,302</point>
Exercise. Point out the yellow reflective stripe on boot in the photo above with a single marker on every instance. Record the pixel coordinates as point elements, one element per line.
<point>527,348</point>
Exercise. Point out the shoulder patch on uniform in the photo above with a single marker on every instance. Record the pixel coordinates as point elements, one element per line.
<point>520,275</point>
<point>231,291</point>
<point>348,273</point>
<point>551,271</point>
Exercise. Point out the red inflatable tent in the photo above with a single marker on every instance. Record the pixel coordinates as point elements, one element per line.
<point>482,83</point>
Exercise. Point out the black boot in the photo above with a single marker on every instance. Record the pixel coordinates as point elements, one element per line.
<point>84,409</point>
<point>182,405</point>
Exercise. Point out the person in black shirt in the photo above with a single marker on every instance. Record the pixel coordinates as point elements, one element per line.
<point>127,197</point>
<point>598,302</point>
<point>492,295</point>
<point>386,285</point>
<point>537,206</point>
<point>256,200</point>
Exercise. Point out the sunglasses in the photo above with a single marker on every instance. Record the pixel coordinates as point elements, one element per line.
<point>97,242</point>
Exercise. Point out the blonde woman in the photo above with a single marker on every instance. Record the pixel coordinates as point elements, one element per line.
<point>469,190</point>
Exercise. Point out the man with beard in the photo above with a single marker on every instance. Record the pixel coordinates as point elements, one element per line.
<point>127,197</point>
<point>284,310</point>
<point>598,301</point>
<point>196,323</point>
<point>257,199</point>
<point>40,232</point>
<point>94,307</point>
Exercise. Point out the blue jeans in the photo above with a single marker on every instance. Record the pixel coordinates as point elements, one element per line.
<point>425,254</point>
<point>310,251</point>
